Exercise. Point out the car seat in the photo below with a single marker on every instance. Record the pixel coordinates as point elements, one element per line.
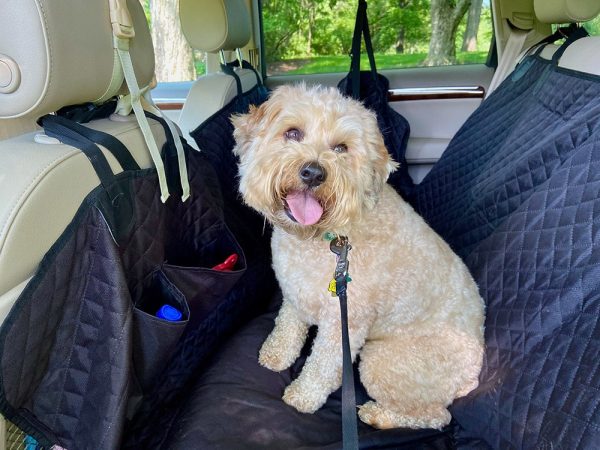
<point>43,181</point>
<point>214,26</point>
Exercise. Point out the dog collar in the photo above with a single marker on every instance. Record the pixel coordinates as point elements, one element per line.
<point>329,236</point>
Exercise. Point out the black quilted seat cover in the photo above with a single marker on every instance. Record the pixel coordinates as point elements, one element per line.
<point>517,194</point>
<point>85,361</point>
<point>236,404</point>
<point>458,197</point>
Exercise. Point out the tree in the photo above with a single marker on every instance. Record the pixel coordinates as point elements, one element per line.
<point>445,17</point>
<point>470,37</point>
<point>401,29</point>
<point>174,57</point>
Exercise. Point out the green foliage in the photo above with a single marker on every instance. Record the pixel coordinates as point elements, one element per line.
<point>299,32</point>
<point>146,6</point>
<point>341,63</point>
<point>287,22</point>
<point>392,21</point>
<point>199,62</point>
<point>593,26</point>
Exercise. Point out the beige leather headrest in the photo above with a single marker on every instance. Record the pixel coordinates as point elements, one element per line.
<point>213,25</point>
<point>566,11</point>
<point>55,53</point>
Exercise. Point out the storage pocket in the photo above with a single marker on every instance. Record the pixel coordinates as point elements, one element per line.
<point>203,287</point>
<point>155,338</point>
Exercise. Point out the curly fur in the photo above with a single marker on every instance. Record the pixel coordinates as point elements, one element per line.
<point>415,315</point>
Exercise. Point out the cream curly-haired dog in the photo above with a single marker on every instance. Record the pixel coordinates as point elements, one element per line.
<point>313,161</point>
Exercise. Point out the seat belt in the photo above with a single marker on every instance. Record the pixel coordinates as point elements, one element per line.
<point>137,99</point>
<point>508,61</point>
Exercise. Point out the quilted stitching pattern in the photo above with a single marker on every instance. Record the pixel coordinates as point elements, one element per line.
<point>525,214</point>
<point>67,347</point>
<point>447,196</point>
<point>215,139</point>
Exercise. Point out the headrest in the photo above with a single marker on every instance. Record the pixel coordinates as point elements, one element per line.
<point>566,11</point>
<point>213,25</point>
<point>55,53</point>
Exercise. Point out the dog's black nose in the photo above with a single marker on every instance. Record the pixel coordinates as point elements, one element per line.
<point>313,174</point>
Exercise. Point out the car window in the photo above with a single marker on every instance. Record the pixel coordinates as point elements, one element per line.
<point>593,26</point>
<point>314,36</point>
<point>175,59</point>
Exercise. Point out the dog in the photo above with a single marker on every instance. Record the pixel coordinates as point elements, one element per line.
<point>313,162</point>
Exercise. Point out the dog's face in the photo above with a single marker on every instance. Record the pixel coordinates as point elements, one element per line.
<point>311,160</point>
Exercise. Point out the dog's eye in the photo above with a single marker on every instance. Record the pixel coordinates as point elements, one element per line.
<point>340,148</point>
<point>294,134</point>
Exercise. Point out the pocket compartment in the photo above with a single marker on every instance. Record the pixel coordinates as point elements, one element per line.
<point>154,339</point>
<point>203,287</point>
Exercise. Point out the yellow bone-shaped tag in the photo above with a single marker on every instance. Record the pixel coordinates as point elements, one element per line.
<point>332,288</point>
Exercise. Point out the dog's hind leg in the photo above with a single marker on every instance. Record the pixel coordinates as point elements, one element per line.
<point>285,342</point>
<point>413,379</point>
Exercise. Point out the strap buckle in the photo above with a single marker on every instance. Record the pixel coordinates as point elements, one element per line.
<point>120,18</point>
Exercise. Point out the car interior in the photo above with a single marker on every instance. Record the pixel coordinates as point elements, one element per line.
<point>505,158</point>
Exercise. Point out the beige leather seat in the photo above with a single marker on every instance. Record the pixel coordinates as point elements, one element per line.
<point>213,26</point>
<point>57,54</point>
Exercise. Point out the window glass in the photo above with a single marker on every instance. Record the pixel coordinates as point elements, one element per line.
<point>175,59</point>
<point>314,36</point>
<point>593,26</point>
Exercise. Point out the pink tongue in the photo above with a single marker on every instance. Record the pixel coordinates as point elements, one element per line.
<point>304,207</point>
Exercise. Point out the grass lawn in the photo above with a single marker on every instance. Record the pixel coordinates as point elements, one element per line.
<point>341,63</point>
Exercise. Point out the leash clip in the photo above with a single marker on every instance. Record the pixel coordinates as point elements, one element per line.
<point>340,247</point>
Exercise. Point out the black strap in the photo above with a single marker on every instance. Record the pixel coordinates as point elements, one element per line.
<point>575,35</point>
<point>54,128</point>
<point>560,33</point>
<point>340,246</point>
<point>88,111</point>
<point>245,65</point>
<point>349,424</point>
<point>229,70</point>
<point>116,204</point>
<point>361,29</point>
<point>111,143</point>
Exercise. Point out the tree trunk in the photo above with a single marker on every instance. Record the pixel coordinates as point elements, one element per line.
<point>309,6</point>
<point>400,40</point>
<point>470,36</point>
<point>174,57</point>
<point>402,30</point>
<point>445,17</point>
<point>311,21</point>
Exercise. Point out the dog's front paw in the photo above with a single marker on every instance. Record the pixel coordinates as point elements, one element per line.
<point>272,357</point>
<point>304,400</point>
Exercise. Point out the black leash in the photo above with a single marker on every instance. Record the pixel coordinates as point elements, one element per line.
<point>340,246</point>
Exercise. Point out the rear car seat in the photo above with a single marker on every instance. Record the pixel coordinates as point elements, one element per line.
<point>516,195</point>
<point>214,26</point>
<point>235,403</point>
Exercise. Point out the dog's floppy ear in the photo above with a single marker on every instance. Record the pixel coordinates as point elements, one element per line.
<point>246,126</point>
<point>383,166</point>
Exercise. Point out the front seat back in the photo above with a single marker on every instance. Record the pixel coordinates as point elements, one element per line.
<point>57,54</point>
<point>214,26</point>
